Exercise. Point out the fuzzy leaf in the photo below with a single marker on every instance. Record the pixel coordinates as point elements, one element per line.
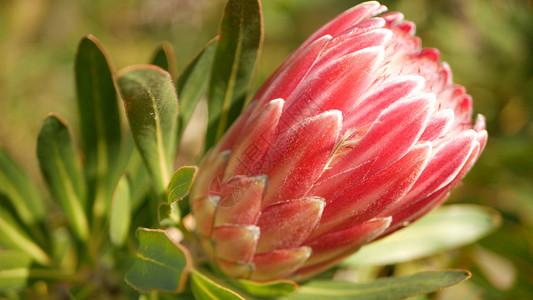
<point>119,223</point>
<point>448,227</point>
<point>204,288</point>
<point>12,236</point>
<point>241,34</point>
<point>161,263</point>
<point>151,105</point>
<point>193,82</point>
<point>14,269</point>
<point>388,288</point>
<point>62,172</point>
<point>101,134</point>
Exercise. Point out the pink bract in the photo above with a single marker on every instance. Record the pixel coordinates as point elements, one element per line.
<point>357,134</point>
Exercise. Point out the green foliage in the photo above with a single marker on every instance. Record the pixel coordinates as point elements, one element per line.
<point>16,185</point>
<point>14,269</point>
<point>22,194</point>
<point>446,228</point>
<point>161,263</point>
<point>267,289</point>
<point>120,215</point>
<point>63,173</point>
<point>240,38</point>
<point>13,236</point>
<point>193,82</point>
<point>151,105</point>
<point>181,183</point>
<point>165,58</point>
<point>98,112</point>
<point>389,288</point>
<point>205,288</point>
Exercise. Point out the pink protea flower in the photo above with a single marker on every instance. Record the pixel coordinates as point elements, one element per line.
<point>357,134</point>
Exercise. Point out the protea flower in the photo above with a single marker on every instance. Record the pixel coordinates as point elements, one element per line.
<point>358,133</point>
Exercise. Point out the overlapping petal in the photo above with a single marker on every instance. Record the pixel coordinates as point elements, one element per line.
<point>357,134</point>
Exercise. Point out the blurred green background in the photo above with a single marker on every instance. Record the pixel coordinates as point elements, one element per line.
<point>488,43</point>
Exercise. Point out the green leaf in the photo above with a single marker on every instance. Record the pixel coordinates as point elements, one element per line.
<point>267,289</point>
<point>181,182</point>
<point>99,122</point>
<point>119,222</point>
<point>204,288</point>
<point>193,82</point>
<point>62,172</point>
<point>446,228</point>
<point>13,237</point>
<point>241,34</point>
<point>165,58</point>
<point>388,288</point>
<point>152,108</point>
<point>14,269</point>
<point>161,263</point>
<point>21,192</point>
<point>139,181</point>
<point>64,250</point>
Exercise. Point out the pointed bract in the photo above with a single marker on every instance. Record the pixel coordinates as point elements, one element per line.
<point>357,134</point>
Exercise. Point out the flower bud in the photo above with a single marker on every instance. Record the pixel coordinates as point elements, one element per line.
<point>357,134</point>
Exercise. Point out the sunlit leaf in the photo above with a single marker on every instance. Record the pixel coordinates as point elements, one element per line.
<point>62,172</point>
<point>204,288</point>
<point>181,183</point>
<point>12,236</point>
<point>193,82</point>
<point>161,263</point>
<point>267,289</point>
<point>446,228</point>
<point>120,219</point>
<point>169,213</point>
<point>21,192</point>
<point>99,121</point>
<point>165,58</point>
<point>388,288</point>
<point>241,34</point>
<point>14,269</point>
<point>152,108</point>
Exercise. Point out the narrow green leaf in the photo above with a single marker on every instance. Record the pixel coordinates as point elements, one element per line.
<point>241,35</point>
<point>151,106</point>
<point>62,172</point>
<point>388,288</point>
<point>165,58</point>
<point>446,228</point>
<point>181,182</point>
<point>13,237</point>
<point>99,121</point>
<point>21,192</point>
<point>267,289</point>
<point>161,263</point>
<point>204,288</point>
<point>120,219</point>
<point>14,269</point>
<point>140,183</point>
<point>64,250</point>
<point>193,82</point>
